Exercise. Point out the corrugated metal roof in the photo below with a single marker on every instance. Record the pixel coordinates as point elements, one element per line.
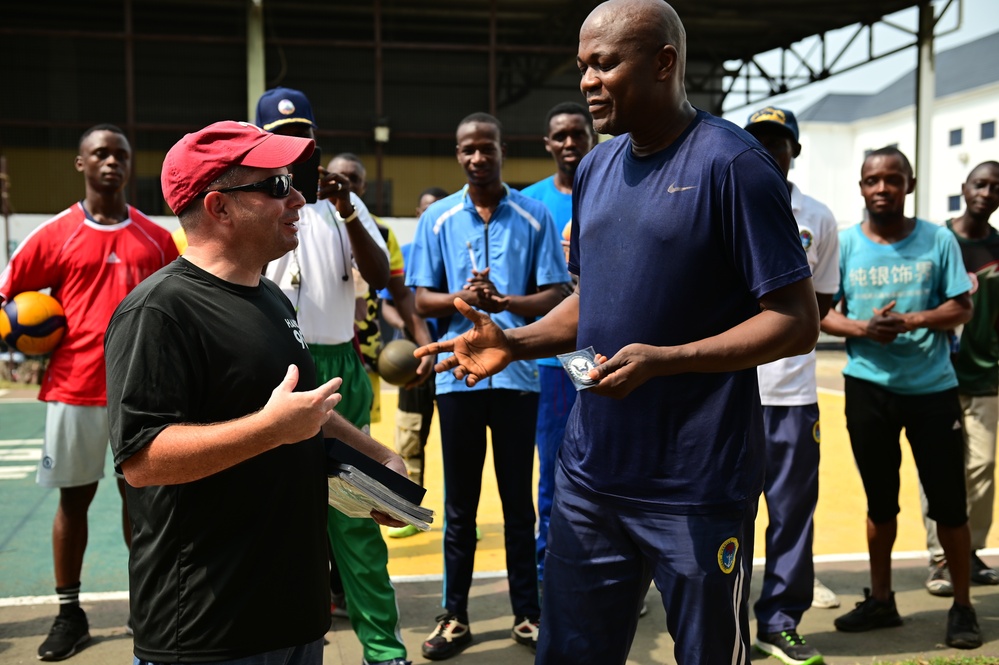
<point>961,68</point>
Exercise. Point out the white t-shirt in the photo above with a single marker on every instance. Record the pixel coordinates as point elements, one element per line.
<point>791,381</point>
<point>322,297</point>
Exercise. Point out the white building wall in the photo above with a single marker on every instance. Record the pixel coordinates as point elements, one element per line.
<point>952,164</point>
<point>832,153</point>
<point>823,171</point>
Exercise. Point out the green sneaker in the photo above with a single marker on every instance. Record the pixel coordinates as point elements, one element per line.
<point>788,647</point>
<point>402,531</point>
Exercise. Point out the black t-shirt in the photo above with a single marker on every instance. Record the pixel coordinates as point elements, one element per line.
<point>236,563</point>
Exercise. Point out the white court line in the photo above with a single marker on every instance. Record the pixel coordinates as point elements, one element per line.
<point>489,575</point>
<point>54,600</point>
<point>20,455</point>
<point>5,443</point>
<point>17,472</point>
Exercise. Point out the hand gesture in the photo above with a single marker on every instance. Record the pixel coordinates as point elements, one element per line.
<point>333,186</point>
<point>886,325</point>
<point>480,352</point>
<point>628,369</point>
<point>396,464</point>
<point>483,293</point>
<point>295,417</point>
<point>386,520</point>
<point>336,188</point>
<point>423,372</point>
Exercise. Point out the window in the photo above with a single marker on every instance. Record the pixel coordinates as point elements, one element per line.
<point>954,203</point>
<point>956,136</point>
<point>988,130</point>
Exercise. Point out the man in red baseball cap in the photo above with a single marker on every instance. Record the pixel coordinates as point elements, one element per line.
<point>226,472</point>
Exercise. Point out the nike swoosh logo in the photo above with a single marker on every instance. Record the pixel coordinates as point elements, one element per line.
<point>673,189</point>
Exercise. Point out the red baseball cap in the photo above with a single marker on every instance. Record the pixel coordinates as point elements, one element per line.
<point>198,159</point>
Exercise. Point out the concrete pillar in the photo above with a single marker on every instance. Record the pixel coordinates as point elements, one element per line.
<point>256,77</point>
<point>925,93</point>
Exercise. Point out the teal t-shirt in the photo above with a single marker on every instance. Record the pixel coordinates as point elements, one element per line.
<point>920,272</point>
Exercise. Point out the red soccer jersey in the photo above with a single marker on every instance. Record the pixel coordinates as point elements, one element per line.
<point>90,268</point>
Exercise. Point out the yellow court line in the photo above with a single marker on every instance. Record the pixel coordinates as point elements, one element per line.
<point>839,518</point>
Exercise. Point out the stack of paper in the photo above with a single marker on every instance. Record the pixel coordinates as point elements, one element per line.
<point>359,484</point>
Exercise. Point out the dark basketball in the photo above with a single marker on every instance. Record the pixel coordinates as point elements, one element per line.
<point>396,362</point>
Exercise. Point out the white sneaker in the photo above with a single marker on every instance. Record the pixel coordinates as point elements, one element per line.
<point>823,597</point>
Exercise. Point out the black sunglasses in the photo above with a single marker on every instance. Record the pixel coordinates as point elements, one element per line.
<point>277,186</point>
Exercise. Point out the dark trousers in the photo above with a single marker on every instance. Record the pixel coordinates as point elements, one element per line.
<point>875,418</point>
<point>792,490</point>
<point>601,557</point>
<point>558,394</point>
<point>510,416</point>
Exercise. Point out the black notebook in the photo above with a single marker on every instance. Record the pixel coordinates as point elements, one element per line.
<point>338,452</point>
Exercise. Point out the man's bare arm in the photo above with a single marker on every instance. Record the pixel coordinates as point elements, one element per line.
<point>338,427</point>
<point>787,325</point>
<point>186,453</point>
<point>486,349</point>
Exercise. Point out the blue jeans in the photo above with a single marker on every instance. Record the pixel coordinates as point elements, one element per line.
<point>306,654</point>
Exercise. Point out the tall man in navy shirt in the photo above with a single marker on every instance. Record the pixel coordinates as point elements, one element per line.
<point>492,248</point>
<point>662,464</point>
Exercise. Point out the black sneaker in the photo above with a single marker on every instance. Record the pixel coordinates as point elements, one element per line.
<point>69,631</point>
<point>869,614</point>
<point>449,637</point>
<point>962,628</point>
<point>788,647</point>
<point>338,605</point>
<point>938,583</point>
<point>525,631</point>
<point>981,573</point>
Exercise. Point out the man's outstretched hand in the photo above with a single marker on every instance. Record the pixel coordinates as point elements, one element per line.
<point>478,353</point>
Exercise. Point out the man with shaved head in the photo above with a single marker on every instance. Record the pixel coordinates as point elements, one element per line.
<point>661,468</point>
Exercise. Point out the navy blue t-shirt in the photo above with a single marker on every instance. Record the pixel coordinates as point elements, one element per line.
<point>670,249</point>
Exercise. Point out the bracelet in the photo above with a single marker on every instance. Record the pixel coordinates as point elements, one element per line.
<point>351,217</point>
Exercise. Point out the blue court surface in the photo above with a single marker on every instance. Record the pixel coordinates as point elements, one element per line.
<point>26,517</point>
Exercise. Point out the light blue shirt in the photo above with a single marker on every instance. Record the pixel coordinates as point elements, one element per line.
<point>920,272</point>
<point>522,249</point>
<point>559,203</point>
<point>560,206</point>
